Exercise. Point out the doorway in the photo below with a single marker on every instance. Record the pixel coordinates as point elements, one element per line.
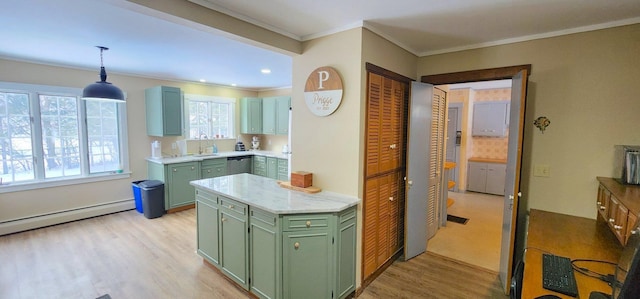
<point>512,214</point>
<point>482,208</point>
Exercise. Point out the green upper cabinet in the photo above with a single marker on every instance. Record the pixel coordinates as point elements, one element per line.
<point>269,116</point>
<point>251,116</point>
<point>283,104</point>
<point>275,115</point>
<point>163,106</point>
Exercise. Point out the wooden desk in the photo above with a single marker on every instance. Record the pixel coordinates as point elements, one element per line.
<point>573,237</point>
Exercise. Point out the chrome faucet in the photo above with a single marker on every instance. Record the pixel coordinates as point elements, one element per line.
<point>202,136</point>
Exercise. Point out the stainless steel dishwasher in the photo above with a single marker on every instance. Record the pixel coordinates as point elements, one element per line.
<point>240,164</point>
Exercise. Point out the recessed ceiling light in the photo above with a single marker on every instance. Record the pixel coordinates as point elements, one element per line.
<point>265,71</point>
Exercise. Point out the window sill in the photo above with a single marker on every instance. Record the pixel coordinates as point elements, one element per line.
<point>15,187</point>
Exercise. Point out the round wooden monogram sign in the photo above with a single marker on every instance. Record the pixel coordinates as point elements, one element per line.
<point>323,91</point>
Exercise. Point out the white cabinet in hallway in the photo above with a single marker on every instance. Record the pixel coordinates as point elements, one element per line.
<point>486,177</point>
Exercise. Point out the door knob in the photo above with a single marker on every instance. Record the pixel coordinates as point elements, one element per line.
<point>410,183</point>
<point>308,223</point>
<point>296,245</point>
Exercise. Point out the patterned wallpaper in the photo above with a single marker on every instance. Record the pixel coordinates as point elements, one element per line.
<point>490,147</point>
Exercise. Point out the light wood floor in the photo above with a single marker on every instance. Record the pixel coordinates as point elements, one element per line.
<point>126,255</point>
<point>477,242</point>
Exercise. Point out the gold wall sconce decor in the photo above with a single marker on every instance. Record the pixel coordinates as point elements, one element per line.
<point>542,123</point>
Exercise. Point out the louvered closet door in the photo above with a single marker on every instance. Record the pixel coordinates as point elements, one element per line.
<point>374,110</point>
<point>396,210</point>
<point>369,229</point>
<point>384,200</point>
<point>385,130</point>
<point>384,208</point>
<point>436,161</point>
<point>397,128</point>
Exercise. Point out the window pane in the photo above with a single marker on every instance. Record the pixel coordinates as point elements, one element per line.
<point>103,136</point>
<point>209,119</point>
<point>16,160</point>
<point>60,136</point>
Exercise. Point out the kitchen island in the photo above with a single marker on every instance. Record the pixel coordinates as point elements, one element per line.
<point>276,242</point>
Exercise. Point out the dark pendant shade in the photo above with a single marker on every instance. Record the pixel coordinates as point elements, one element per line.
<point>102,90</point>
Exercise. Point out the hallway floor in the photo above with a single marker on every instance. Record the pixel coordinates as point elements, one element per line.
<point>477,242</point>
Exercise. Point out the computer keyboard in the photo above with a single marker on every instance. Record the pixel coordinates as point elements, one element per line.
<point>557,275</point>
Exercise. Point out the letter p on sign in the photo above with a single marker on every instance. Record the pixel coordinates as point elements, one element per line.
<point>322,76</point>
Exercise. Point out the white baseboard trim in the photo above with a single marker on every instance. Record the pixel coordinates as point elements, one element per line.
<point>18,225</point>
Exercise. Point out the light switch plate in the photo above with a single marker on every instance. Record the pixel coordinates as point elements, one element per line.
<point>541,170</point>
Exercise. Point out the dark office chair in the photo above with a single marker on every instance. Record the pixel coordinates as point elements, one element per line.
<point>516,281</point>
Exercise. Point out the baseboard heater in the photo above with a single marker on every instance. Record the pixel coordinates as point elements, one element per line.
<point>38,221</point>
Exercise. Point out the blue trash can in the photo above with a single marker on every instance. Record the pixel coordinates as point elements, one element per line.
<point>137,195</point>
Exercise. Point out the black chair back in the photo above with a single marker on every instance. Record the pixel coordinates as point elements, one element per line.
<point>516,281</point>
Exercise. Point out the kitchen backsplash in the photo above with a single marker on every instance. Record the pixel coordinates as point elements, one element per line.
<point>490,147</point>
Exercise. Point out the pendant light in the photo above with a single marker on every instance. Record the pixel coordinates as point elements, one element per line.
<point>102,90</point>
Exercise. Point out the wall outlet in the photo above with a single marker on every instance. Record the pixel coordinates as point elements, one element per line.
<point>541,170</point>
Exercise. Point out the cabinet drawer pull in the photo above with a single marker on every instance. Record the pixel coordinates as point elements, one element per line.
<point>175,170</point>
<point>599,203</point>
<point>391,198</point>
<point>223,219</point>
<point>611,220</point>
<point>192,168</point>
<point>296,245</point>
<point>617,227</point>
<point>308,223</point>
<point>393,146</point>
<point>208,170</point>
<point>602,208</point>
<point>231,207</point>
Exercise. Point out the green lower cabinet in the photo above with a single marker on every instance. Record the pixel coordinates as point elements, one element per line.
<point>176,177</point>
<point>272,168</point>
<point>265,254</point>
<point>207,223</point>
<point>234,241</point>
<point>212,168</point>
<point>283,170</point>
<point>346,253</point>
<point>306,270</point>
<point>260,165</point>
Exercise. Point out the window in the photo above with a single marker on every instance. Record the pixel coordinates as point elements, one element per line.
<point>49,133</point>
<point>209,117</point>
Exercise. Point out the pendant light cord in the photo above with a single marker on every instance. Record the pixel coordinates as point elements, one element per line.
<point>103,72</point>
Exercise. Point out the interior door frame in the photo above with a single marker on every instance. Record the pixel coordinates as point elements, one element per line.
<point>499,73</point>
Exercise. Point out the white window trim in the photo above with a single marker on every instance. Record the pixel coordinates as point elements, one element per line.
<point>125,172</point>
<point>217,99</point>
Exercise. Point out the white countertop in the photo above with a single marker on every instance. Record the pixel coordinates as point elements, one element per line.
<point>192,158</point>
<point>265,193</point>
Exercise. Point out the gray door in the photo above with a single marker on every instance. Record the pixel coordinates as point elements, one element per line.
<point>512,181</point>
<point>453,145</point>
<point>417,169</point>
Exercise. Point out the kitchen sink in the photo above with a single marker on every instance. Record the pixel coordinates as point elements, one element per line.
<point>205,155</point>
